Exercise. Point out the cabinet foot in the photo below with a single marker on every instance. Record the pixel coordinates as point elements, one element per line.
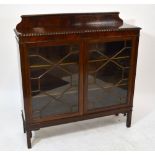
<point>29,135</point>
<point>128,120</point>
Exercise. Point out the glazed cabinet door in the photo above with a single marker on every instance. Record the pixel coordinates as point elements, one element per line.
<point>54,78</point>
<point>107,74</point>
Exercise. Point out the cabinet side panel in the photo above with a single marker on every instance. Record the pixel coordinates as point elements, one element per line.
<point>134,56</point>
<point>25,84</point>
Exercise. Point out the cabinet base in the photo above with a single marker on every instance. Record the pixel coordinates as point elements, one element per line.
<point>28,131</point>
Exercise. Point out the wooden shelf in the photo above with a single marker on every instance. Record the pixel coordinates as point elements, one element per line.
<point>48,66</point>
<point>72,63</point>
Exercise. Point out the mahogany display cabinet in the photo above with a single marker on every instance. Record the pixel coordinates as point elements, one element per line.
<point>75,67</point>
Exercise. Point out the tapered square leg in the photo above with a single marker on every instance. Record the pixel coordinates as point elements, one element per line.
<point>128,120</point>
<point>29,135</point>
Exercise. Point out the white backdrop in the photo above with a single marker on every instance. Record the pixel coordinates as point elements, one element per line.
<point>10,80</point>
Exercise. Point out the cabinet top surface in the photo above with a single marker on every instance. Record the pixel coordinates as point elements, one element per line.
<point>52,24</point>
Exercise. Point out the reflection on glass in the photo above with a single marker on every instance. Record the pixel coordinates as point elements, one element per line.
<point>54,80</point>
<point>108,70</point>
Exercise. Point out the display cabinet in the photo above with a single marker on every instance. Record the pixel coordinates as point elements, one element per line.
<point>76,67</point>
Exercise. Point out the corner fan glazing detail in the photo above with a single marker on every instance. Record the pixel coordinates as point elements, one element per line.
<point>54,72</point>
<point>108,73</point>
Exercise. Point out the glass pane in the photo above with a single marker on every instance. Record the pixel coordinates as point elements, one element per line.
<point>108,71</point>
<point>54,72</point>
